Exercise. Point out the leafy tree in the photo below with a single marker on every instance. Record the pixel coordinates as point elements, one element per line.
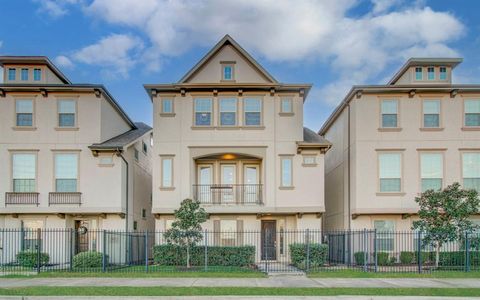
<point>186,230</point>
<point>444,215</point>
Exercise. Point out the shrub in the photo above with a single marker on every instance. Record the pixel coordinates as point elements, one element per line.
<point>407,257</point>
<point>29,259</point>
<point>457,258</point>
<point>88,259</point>
<point>384,259</point>
<point>317,257</point>
<point>174,255</point>
<point>359,258</point>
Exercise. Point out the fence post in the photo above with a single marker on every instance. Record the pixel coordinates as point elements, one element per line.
<point>365,249</point>
<point>71,247</point>
<point>146,251</point>
<point>206,250</point>
<point>375,249</point>
<point>419,251</point>
<point>467,253</point>
<point>307,237</point>
<point>104,257</point>
<point>39,251</point>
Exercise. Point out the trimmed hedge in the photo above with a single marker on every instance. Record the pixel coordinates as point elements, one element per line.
<point>29,259</point>
<point>383,258</point>
<point>174,255</point>
<point>318,255</point>
<point>457,258</point>
<point>360,257</point>
<point>88,259</point>
<point>410,257</point>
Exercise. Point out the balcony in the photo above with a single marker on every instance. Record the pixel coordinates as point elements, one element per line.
<point>14,198</point>
<point>55,198</point>
<point>239,194</point>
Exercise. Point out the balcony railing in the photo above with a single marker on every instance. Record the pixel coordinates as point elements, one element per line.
<point>64,198</point>
<point>228,193</point>
<point>14,198</point>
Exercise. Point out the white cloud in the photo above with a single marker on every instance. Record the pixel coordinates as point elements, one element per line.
<point>116,54</point>
<point>63,61</point>
<point>55,8</point>
<point>358,49</point>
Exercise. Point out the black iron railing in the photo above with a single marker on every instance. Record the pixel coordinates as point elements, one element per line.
<point>64,198</point>
<point>15,198</point>
<point>228,193</point>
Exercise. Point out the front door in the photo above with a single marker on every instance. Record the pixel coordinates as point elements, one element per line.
<point>251,188</point>
<point>205,180</point>
<point>81,232</point>
<point>227,183</point>
<point>269,240</point>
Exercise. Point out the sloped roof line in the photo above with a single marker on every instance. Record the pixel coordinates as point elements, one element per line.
<point>35,60</point>
<point>227,39</point>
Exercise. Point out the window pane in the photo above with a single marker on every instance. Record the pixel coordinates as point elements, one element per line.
<point>66,106</point>
<point>203,115</point>
<point>203,105</point>
<point>431,73</point>
<point>252,105</point>
<point>390,185</point>
<point>167,172</point>
<point>431,121</point>
<point>286,171</point>
<point>471,184</point>
<point>167,106</point>
<point>418,73</point>
<point>431,184</point>
<point>390,165</point>
<point>24,74</point>
<point>227,72</point>
<point>66,166</point>
<point>385,235</point>
<point>384,226</point>
<point>389,121</point>
<point>389,107</point>
<point>66,120</point>
<point>472,119</point>
<point>443,73</point>
<point>286,105</point>
<point>24,106</point>
<point>228,108</point>
<point>431,106</point>
<point>431,165</point>
<point>37,74</point>
<point>11,74</point>
<point>471,165</point>
<point>252,108</point>
<point>202,119</point>
<point>228,229</point>
<point>24,120</point>
<point>472,106</point>
<point>24,166</point>
<point>24,185</point>
<point>66,185</point>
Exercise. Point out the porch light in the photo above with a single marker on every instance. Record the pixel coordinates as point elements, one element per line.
<point>228,156</point>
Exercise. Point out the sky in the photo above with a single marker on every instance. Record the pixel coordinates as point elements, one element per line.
<point>332,44</point>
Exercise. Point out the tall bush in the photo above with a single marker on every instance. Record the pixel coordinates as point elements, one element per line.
<point>29,258</point>
<point>318,254</point>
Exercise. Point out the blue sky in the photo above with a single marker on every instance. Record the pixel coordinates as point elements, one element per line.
<point>331,44</point>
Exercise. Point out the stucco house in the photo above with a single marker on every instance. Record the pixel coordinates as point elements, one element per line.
<point>391,142</point>
<point>231,136</point>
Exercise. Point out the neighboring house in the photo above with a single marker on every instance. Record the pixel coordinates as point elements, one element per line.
<point>71,157</point>
<point>231,136</point>
<point>393,141</point>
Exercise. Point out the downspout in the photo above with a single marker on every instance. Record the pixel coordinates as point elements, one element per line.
<point>119,153</point>
<point>348,174</point>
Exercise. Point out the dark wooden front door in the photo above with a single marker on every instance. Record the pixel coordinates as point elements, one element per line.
<point>269,240</point>
<point>81,232</point>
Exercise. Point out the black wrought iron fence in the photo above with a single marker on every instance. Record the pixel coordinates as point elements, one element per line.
<point>68,250</point>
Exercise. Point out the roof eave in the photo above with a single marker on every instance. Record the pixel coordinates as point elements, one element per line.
<point>452,62</point>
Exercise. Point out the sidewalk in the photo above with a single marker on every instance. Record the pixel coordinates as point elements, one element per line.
<point>276,281</point>
<point>232,298</point>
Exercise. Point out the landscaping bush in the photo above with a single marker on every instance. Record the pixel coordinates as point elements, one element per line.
<point>359,258</point>
<point>88,259</point>
<point>317,257</point>
<point>174,255</point>
<point>29,259</point>
<point>384,259</point>
<point>410,257</point>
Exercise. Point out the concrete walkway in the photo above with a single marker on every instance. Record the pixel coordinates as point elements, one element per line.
<point>231,298</point>
<point>275,281</point>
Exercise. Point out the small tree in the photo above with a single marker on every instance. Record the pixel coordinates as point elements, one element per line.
<point>186,230</point>
<point>444,215</point>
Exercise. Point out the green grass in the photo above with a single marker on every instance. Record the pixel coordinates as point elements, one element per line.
<point>243,291</point>
<point>361,274</point>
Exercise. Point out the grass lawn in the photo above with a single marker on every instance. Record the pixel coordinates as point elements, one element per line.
<point>361,274</point>
<point>213,291</point>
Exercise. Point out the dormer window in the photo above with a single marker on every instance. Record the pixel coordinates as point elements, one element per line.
<point>24,75</point>
<point>431,73</point>
<point>228,71</point>
<point>443,73</point>
<point>37,74</point>
<point>418,73</point>
<point>12,72</point>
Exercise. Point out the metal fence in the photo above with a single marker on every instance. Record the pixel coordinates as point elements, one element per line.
<point>26,251</point>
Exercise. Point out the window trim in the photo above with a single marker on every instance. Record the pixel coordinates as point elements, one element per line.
<point>462,152</point>
<point>21,74</point>
<point>136,154</point>
<point>244,99</point>
<point>315,156</point>
<point>434,75</point>
<point>144,147</point>
<point>286,113</point>
<point>440,115</point>
<point>237,109</point>
<point>162,111</point>
<point>60,151</point>
<point>212,112</point>
<point>282,158</point>
<point>464,126</point>
<point>8,74</point>
<point>103,155</point>
<point>35,153</point>
<point>17,127</point>
<point>33,74</point>
<point>402,171</point>
<point>398,127</point>
<point>224,64</point>
<point>440,73</point>
<point>164,157</point>
<point>430,151</point>
<point>415,73</point>
<point>75,124</point>
<point>393,233</point>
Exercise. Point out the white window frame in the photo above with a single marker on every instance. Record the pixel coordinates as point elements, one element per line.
<point>288,100</point>
<point>172,106</point>
<point>59,113</point>
<point>260,101</point>
<point>439,113</point>
<point>382,101</point>
<point>13,178</point>
<point>463,153</point>
<point>32,113</point>
<point>77,181</point>
<point>428,73</point>
<point>441,154</point>
<point>283,183</point>
<point>163,182</point>
<point>379,178</point>
<point>465,101</point>
<point>415,73</point>
<point>220,111</point>
<point>231,65</point>
<point>195,111</point>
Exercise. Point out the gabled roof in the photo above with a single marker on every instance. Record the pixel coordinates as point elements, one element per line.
<point>429,61</point>
<point>124,139</point>
<point>36,60</point>
<point>226,40</point>
<point>311,140</point>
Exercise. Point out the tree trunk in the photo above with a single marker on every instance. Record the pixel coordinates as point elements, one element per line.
<point>437,255</point>
<point>188,256</point>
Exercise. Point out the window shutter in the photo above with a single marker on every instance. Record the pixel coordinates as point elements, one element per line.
<point>216,232</point>
<point>239,232</point>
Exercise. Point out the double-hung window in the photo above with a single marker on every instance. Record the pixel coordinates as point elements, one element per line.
<point>431,171</point>
<point>286,105</point>
<point>443,73</point>
<point>66,113</point>
<point>385,235</point>
<point>228,111</point>
<point>24,112</point>
<point>418,73</point>
<point>472,112</point>
<point>431,113</point>
<point>471,170</point>
<point>12,74</point>
<point>287,170</point>
<point>66,172</point>
<point>253,111</point>
<point>167,172</point>
<point>24,74</point>
<point>431,73</point>
<point>227,72</point>
<point>203,112</point>
<point>24,172</point>
<point>390,172</point>
<point>167,106</point>
<point>389,110</point>
<point>37,74</point>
